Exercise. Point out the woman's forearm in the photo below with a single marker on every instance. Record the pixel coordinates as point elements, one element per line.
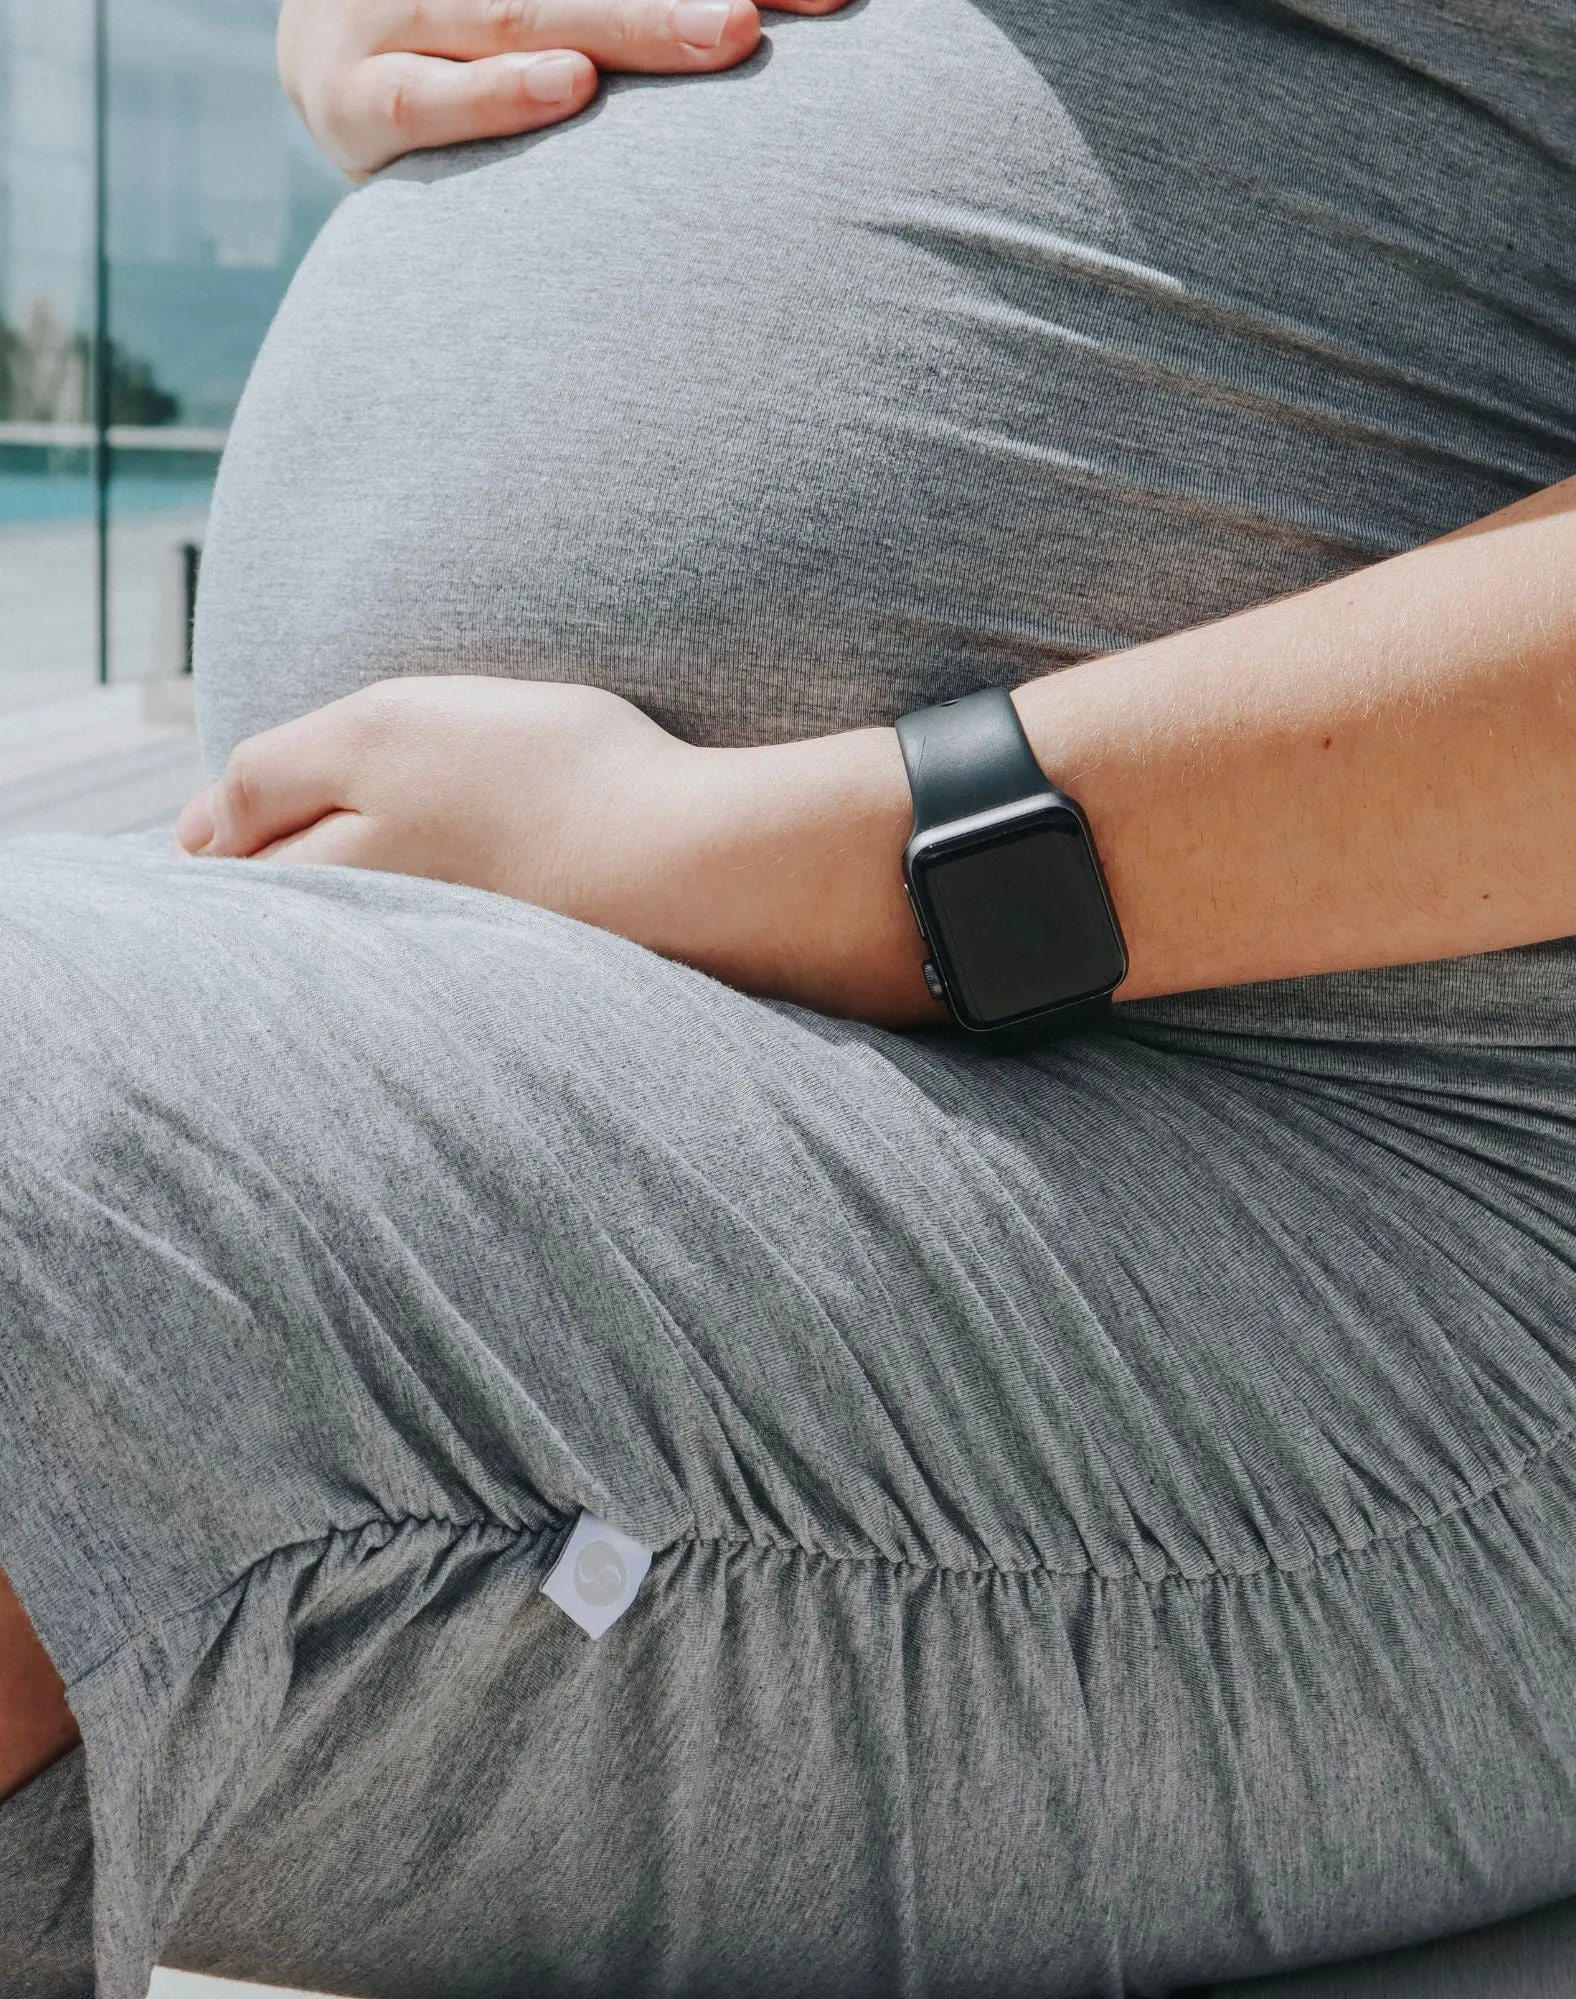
<point>1378,771</point>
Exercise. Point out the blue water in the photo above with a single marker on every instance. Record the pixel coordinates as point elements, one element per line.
<point>37,496</point>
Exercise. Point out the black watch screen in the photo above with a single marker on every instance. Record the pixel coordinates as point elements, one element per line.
<point>1017,916</point>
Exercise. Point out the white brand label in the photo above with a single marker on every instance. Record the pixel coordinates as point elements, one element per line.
<point>598,1576</point>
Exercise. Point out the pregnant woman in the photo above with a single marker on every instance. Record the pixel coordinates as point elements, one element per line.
<point>1113,1505</point>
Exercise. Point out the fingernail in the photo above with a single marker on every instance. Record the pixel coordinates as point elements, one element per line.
<point>550,79</point>
<point>701,23</point>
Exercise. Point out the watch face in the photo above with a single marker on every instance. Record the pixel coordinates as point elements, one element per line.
<point>1019,918</point>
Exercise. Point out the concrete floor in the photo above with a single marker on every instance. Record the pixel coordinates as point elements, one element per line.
<point>76,757</point>
<point>95,759</point>
<point>48,596</point>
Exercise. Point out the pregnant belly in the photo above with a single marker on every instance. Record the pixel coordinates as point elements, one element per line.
<point>950,341</point>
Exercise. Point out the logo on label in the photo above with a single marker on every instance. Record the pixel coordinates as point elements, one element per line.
<point>600,1575</point>
<point>597,1575</point>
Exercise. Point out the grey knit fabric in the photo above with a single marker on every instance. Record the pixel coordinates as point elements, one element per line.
<point>46,1887</point>
<point>948,341</point>
<point>1113,1511</point>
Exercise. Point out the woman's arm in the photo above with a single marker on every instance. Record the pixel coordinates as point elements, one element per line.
<point>1377,771</point>
<point>373,79</point>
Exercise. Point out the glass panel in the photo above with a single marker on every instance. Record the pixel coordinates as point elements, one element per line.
<point>215,194</point>
<point>48,553</point>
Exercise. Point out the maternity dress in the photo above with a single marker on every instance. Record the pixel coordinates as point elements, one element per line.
<point>1113,1511</point>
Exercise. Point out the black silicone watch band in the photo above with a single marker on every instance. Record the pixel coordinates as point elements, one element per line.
<point>969,756</point>
<point>966,756</point>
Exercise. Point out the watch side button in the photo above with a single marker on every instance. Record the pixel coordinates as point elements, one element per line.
<point>933,980</point>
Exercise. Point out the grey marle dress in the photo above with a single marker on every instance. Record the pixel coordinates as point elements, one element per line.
<point>1114,1512</point>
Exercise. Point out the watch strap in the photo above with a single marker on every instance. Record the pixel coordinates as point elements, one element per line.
<point>967,756</point>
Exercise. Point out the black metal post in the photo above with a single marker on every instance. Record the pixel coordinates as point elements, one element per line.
<point>101,321</point>
<point>191,573</point>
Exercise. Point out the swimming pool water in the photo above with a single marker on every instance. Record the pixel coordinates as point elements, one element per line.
<point>34,496</point>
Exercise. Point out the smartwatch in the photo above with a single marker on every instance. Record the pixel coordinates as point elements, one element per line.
<point>1004,881</point>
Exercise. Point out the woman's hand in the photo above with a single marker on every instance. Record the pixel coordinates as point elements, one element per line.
<point>774,869</point>
<point>377,78</point>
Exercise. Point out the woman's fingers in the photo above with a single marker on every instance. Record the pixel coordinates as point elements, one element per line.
<point>342,840</point>
<point>394,104</point>
<point>492,72</point>
<point>615,34</point>
<point>279,783</point>
<point>378,78</point>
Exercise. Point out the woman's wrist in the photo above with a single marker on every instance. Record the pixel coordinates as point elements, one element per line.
<point>794,880</point>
